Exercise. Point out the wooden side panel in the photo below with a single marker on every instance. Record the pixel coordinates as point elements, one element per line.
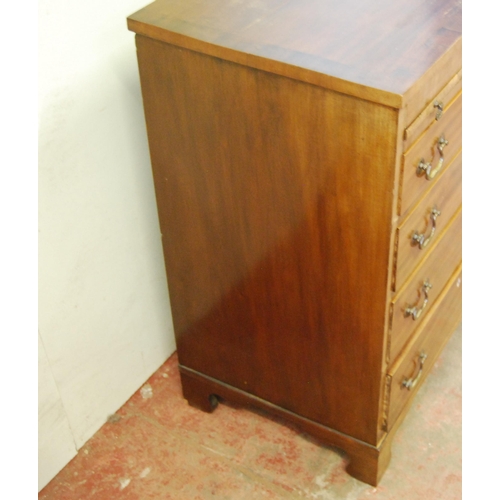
<point>275,202</point>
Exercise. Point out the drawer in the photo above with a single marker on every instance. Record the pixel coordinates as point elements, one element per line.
<point>410,306</point>
<point>434,111</point>
<point>429,151</point>
<point>407,374</point>
<point>417,233</point>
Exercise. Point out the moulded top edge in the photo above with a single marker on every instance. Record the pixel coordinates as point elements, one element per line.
<point>371,50</point>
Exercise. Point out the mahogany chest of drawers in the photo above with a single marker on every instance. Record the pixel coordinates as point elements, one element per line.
<point>307,165</point>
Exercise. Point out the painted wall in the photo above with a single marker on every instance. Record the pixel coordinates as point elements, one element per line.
<point>104,318</point>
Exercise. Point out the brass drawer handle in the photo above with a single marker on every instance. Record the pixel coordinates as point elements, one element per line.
<point>413,311</point>
<point>420,238</point>
<point>410,383</point>
<point>426,168</point>
<point>439,109</point>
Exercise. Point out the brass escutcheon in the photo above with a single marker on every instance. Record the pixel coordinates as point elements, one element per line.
<point>439,109</point>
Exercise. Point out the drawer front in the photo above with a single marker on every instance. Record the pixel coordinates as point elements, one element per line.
<point>434,111</point>
<point>406,377</point>
<point>428,158</point>
<point>417,234</point>
<point>411,305</point>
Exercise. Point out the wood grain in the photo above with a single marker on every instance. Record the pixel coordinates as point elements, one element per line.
<point>274,237</point>
<point>373,50</point>
<point>282,137</point>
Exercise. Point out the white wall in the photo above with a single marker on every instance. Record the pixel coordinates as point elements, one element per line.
<point>56,446</point>
<point>104,318</point>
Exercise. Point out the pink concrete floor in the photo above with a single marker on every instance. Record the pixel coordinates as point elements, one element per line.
<point>158,447</point>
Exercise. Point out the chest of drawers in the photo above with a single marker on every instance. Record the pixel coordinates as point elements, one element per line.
<point>307,167</point>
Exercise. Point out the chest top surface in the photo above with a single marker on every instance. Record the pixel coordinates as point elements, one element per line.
<point>385,45</point>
